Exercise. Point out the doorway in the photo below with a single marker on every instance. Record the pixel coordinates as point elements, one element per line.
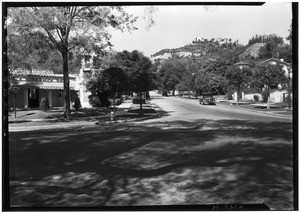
<point>33,98</point>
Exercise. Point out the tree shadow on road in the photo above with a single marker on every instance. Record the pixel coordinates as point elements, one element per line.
<point>229,161</point>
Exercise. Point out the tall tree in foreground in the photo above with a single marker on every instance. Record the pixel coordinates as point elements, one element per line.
<point>70,27</point>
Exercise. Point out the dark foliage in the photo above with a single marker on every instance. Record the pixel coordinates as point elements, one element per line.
<point>44,104</point>
<point>265,38</point>
<point>77,103</point>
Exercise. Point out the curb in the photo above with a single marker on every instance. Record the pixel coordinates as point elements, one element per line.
<point>31,120</point>
<point>130,120</point>
<point>49,127</point>
<point>257,111</point>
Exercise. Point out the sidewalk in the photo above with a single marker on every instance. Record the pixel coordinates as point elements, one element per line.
<point>37,119</point>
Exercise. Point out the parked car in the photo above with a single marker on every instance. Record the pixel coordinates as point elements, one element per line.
<point>206,99</point>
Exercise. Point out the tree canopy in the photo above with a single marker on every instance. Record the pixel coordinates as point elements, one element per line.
<point>68,28</point>
<point>238,77</point>
<point>170,74</point>
<point>109,83</point>
<point>268,77</point>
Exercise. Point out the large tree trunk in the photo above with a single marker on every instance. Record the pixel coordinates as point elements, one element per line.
<point>141,105</point>
<point>268,102</point>
<point>15,110</point>
<point>237,95</point>
<point>114,103</point>
<point>66,94</point>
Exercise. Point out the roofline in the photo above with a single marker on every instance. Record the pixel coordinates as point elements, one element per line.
<point>275,59</point>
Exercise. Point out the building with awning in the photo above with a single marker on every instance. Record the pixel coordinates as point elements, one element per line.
<point>33,85</point>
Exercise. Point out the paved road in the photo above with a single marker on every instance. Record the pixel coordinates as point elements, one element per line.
<point>190,110</point>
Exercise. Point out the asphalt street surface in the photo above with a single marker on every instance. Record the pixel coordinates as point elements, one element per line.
<point>190,109</point>
<point>191,155</point>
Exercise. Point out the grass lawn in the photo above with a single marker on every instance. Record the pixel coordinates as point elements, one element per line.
<point>39,117</point>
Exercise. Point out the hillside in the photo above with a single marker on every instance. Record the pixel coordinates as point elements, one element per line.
<point>252,51</point>
<point>213,48</point>
<point>200,46</point>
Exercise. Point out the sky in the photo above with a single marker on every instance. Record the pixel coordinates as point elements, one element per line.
<point>176,26</point>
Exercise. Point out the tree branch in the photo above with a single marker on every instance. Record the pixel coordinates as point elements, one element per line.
<point>58,34</point>
<point>71,48</point>
<point>53,39</point>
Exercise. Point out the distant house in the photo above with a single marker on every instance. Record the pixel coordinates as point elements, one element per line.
<point>35,84</point>
<point>279,95</point>
<point>242,65</point>
<point>161,57</point>
<point>285,66</point>
<point>276,96</point>
<point>183,54</point>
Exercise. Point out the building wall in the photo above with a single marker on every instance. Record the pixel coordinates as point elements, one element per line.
<point>19,100</point>
<point>57,98</point>
<point>42,94</point>
<point>250,97</point>
<point>277,96</point>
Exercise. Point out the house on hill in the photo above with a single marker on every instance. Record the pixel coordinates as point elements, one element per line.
<point>242,65</point>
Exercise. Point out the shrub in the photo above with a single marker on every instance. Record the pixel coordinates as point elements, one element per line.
<point>44,104</point>
<point>229,96</point>
<point>118,101</point>
<point>256,98</point>
<point>77,103</point>
<point>99,100</point>
<point>265,95</point>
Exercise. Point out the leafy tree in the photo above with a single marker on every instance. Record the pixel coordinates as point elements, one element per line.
<point>270,50</point>
<point>202,82</point>
<point>71,27</point>
<point>268,77</point>
<point>187,81</point>
<point>170,74</point>
<point>108,84</point>
<point>265,39</point>
<point>217,83</point>
<point>238,77</point>
<point>138,68</point>
<point>285,53</point>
